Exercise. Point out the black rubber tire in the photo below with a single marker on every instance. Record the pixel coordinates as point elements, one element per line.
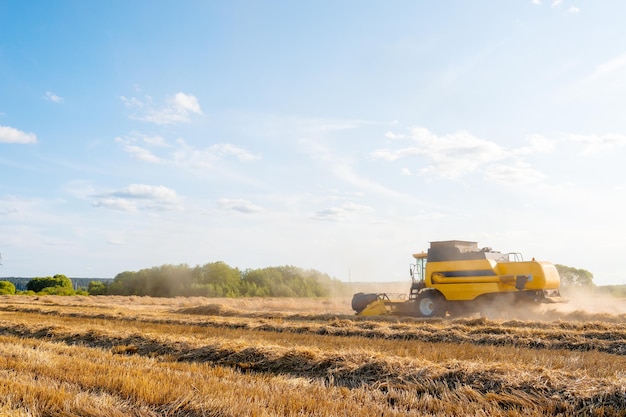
<point>430,304</point>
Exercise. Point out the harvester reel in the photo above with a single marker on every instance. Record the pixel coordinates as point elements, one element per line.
<point>430,304</point>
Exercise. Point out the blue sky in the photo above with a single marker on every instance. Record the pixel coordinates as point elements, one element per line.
<point>336,135</point>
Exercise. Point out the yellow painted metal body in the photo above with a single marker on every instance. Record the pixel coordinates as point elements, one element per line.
<point>467,279</point>
<point>457,274</point>
<point>375,308</point>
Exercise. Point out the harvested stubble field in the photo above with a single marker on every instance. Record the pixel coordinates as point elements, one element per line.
<point>121,356</point>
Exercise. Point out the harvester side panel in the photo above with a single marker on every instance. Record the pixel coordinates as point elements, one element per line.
<point>469,291</point>
<point>466,280</point>
<point>544,275</point>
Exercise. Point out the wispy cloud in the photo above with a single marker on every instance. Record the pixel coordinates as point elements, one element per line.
<point>50,96</point>
<point>605,81</point>
<point>155,149</point>
<point>593,144</point>
<point>222,150</point>
<point>177,109</point>
<point>342,168</point>
<point>142,154</point>
<point>536,144</point>
<point>558,3</point>
<point>136,197</point>
<point>137,144</point>
<point>454,155</point>
<point>517,174</point>
<point>450,156</point>
<point>343,212</point>
<point>11,135</point>
<point>612,66</point>
<point>238,205</point>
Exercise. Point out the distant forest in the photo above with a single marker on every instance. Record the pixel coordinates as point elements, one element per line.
<point>215,279</point>
<point>218,279</point>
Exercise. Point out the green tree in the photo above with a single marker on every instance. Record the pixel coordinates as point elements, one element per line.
<point>574,277</point>
<point>129,283</point>
<point>286,281</point>
<point>57,281</point>
<point>97,288</point>
<point>217,279</point>
<point>6,287</point>
<point>159,281</point>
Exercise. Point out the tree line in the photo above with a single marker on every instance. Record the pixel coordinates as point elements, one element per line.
<point>217,279</point>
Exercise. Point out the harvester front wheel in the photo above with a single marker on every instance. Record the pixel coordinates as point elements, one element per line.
<point>431,304</point>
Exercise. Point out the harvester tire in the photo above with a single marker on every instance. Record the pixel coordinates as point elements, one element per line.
<point>430,304</point>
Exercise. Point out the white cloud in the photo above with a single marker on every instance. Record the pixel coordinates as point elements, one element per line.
<point>11,135</point>
<point>556,3</point>
<point>177,109</point>
<point>239,205</point>
<point>142,191</point>
<point>155,141</point>
<point>393,154</point>
<point>50,96</point>
<point>454,155</point>
<point>394,136</point>
<point>518,174</point>
<point>536,144</point>
<point>186,102</point>
<point>342,213</point>
<point>592,144</point>
<point>573,10</point>
<point>449,156</point>
<point>115,204</point>
<point>537,2</point>
<point>132,102</point>
<point>181,154</point>
<point>137,197</point>
<point>142,154</point>
<point>227,149</point>
<point>129,144</point>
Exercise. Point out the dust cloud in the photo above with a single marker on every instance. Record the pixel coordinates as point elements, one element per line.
<point>589,301</point>
<point>579,305</point>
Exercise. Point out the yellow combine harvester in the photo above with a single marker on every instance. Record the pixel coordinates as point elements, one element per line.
<point>457,277</point>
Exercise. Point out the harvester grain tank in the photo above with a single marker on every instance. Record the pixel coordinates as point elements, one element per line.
<point>457,277</point>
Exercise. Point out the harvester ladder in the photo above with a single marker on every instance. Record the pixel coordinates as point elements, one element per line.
<point>415,289</point>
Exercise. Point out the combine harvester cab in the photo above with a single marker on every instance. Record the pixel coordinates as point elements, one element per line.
<point>457,277</point>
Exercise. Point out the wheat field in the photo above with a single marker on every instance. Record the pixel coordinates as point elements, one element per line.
<point>140,356</point>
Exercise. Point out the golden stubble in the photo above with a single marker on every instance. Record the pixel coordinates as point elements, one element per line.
<point>134,356</point>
